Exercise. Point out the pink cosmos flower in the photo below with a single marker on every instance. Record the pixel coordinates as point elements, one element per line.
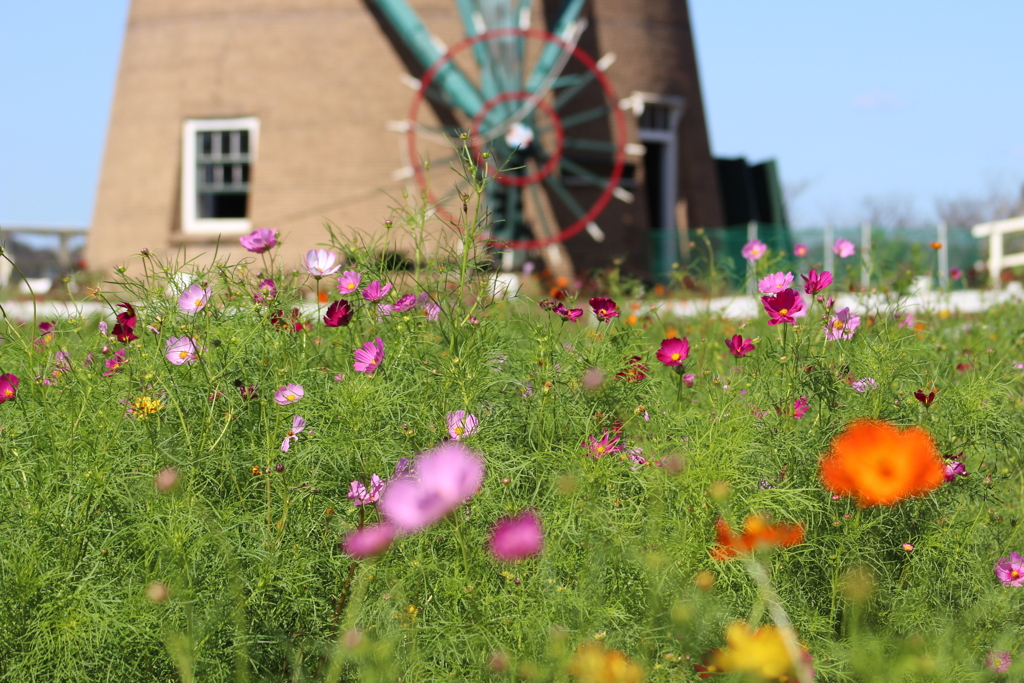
<point>359,495</point>
<point>369,541</point>
<point>754,250</point>
<point>604,308</point>
<point>844,248</point>
<point>8,387</point>
<point>865,385</point>
<point>799,250</point>
<point>998,661</point>
<point>952,470</point>
<point>103,328</point>
<point>516,538</point>
<point>349,281</point>
<point>461,424</point>
<point>800,407</point>
<point>298,424</point>
<point>445,478</point>
<point>369,356</point>
<point>674,352</point>
<point>180,351</point>
<point>688,380</point>
<point>783,306</point>
<point>842,325</point>
<point>320,263</point>
<point>265,292</point>
<point>376,290</point>
<point>259,240</point>
<point>738,346</point>
<point>774,283</point>
<point>814,281</point>
<point>1010,570</point>
<point>289,393</point>
<point>956,273</point>
<point>115,362</point>
<point>599,448</point>
<point>194,299</point>
<point>405,303</point>
<point>339,313</point>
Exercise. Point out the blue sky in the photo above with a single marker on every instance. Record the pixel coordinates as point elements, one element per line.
<point>909,100</point>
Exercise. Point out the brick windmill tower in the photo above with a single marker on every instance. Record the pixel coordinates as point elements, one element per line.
<point>238,114</point>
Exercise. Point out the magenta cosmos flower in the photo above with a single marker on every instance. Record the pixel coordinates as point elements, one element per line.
<point>604,308</point>
<point>842,325</point>
<point>445,478</point>
<point>998,661</point>
<point>361,495</point>
<point>800,407</point>
<point>674,352</point>
<point>598,448</point>
<point>814,281</point>
<point>320,263</point>
<point>194,299</point>
<point>570,314</point>
<point>461,424</point>
<point>289,393</point>
<point>298,424</point>
<point>369,356</point>
<point>8,387</point>
<point>349,281</point>
<point>405,303</point>
<point>516,538</point>
<point>259,240</point>
<point>774,283</point>
<point>181,351</point>
<point>844,248</point>
<point>375,291</point>
<point>753,250</point>
<point>738,346</point>
<point>339,313</point>
<point>800,250</point>
<point>369,541</point>
<point>1010,570</point>
<point>783,306</point>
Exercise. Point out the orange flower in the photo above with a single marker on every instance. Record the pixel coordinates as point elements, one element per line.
<point>880,464</point>
<point>936,245</point>
<point>757,533</point>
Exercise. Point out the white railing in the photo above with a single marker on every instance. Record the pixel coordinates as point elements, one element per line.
<point>997,259</point>
<point>63,253</point>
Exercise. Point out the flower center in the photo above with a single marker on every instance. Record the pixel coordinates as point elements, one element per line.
<point>199,303</point>
<point>838,324</point>
<point>350,286</point>
<point>290,434</point>
<point>8,392</point>
<point>675,356</point>
<point>1014,574</point>
<point>291,397</point>
<point>783,311</point>
<point>183,354</point>
<point>458,430</point>
<point>599,450</point>
<point>602,311</point>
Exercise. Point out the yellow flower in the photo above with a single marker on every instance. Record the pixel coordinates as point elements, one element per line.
<point>594,664</point>
<point>144,406</point>
<point>760,652</point>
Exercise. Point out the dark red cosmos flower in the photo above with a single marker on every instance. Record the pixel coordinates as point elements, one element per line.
<point>925,398</point>
<point>605,309</point>
<point>338,314</point>
<point>635,370</point>
<point>738,346</point>
<point>247,391</point>
<point>124,329</point>
<point>570,314</point>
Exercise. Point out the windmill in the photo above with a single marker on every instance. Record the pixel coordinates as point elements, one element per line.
<point>537,103</point>
<point>235,114</point>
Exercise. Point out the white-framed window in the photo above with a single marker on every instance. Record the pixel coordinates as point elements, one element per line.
<point>658,118</point>
<point>217,159</point>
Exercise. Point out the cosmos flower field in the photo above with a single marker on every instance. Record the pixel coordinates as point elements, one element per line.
<point>330,471</point>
